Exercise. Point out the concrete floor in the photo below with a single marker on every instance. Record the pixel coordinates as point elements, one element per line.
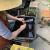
<point>39,44</point>
<point>43,40</point>
<point>43,32</point>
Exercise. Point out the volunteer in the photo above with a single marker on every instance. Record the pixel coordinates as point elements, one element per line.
<point>5,33</point>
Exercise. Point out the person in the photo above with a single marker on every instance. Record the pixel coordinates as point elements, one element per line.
<point>5,33</point>
<point>22,27</point>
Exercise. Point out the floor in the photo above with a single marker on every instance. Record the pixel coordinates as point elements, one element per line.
<point>42,42</point>
<point>43,32</point>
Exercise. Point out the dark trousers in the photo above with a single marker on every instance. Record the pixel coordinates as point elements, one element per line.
<point>17,25</point>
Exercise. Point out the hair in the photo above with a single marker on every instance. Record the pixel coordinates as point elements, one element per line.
<point>3,17</point>
<point>2,13</point>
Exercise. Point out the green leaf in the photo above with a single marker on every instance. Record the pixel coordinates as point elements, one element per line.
<point>48,0</point>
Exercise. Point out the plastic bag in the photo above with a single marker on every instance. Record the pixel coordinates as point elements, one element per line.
<point>18,47</point>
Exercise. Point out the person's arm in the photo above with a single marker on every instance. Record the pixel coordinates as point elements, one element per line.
<point>10,17</point>
<point>17,32</point>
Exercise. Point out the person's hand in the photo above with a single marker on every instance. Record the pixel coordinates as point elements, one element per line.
<point>23,26</point>
<point>21,20</point>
